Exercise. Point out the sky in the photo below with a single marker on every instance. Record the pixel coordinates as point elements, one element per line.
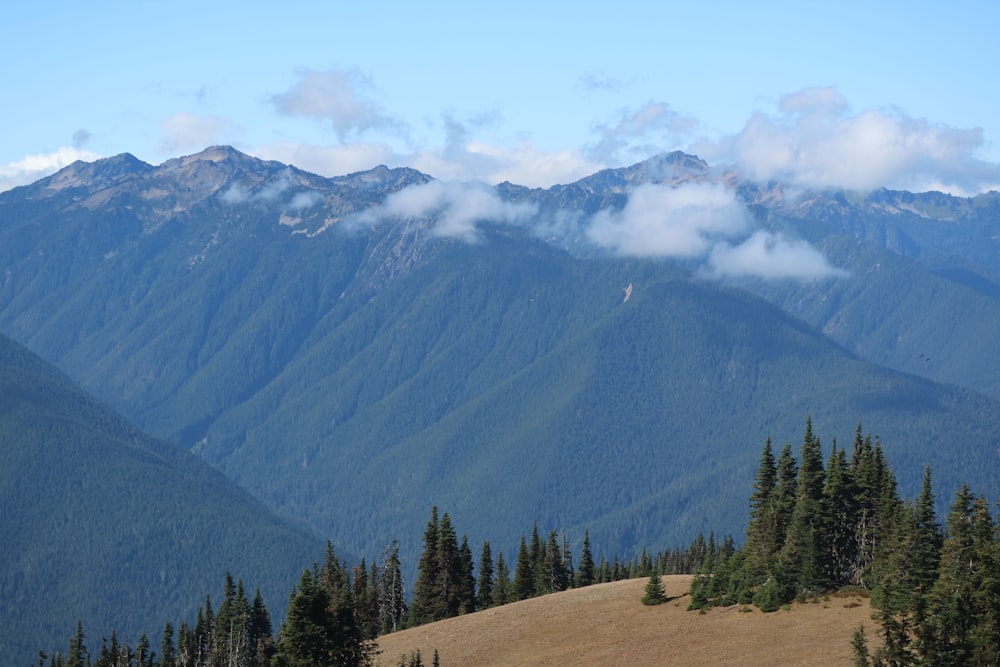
<point>850,94</point>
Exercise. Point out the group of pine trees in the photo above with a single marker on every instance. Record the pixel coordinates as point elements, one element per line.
<point>447,584</point>
<point>816,528</point>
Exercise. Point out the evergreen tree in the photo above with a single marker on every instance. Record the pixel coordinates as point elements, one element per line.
<point>77,649</point>
<point>838,520</point>
<point>585,575</point>
<point>655,592</point>
<point>426,604</point>
<point>466,580</point>
<point>391,596</point>
<point>168,653</point>
<point>484,592</point>
<point>802,558</point>
<point>953,612</point>
<point>927,551</point>
<point>524,573</point>
<point>319,630</point>
<point>449,585</point>
<point>554,576</point>
<point>260,639</point>
<point>762,532</point>
<point>859,648</point>
<point>503,590</point>
<point>784,494</point>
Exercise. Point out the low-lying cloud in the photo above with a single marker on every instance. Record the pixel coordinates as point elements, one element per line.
<point>769,256</point>
<point>453,208</point>
<point>663,221</point>
<point>816,141</point>
<point>706,224</point>
<point>273,191</point>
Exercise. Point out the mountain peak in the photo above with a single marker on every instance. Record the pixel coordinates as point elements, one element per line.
<point>216,155</point>
<point>96,175</point>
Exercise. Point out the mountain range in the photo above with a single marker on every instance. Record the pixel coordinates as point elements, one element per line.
<point>608,354</point>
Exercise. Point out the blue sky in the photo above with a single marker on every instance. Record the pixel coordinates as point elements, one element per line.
<point>850,94</point>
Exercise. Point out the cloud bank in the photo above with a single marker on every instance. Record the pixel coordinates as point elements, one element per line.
<point>704,223</point>
<point>816,141</point>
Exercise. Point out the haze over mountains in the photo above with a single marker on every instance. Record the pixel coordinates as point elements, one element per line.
<point>607,354</point>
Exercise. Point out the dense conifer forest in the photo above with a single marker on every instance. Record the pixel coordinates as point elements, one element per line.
<point>814,528</point>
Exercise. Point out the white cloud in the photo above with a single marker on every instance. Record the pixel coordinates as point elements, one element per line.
<point>454,208</point>
<point>33,167</point>
<point>185,132</point>
<point>664,221</point>
<point>706,224</point>
<point>816,141</point>
<point>770,256</point>
<point>343,97</point>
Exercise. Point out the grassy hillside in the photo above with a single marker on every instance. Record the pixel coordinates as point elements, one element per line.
<point>104,524</point>
<point>607,625</point>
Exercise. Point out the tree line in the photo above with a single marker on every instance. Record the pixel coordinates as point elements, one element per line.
<point>336,612</point>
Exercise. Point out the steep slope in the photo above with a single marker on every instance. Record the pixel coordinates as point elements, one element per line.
<point>933,318</point>
<point>923,290</point>
<point>107,525</point>
<point>506,389</point>
<point>353,372</point>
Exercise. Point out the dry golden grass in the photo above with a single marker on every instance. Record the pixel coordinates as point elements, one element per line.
<point>607,625</point>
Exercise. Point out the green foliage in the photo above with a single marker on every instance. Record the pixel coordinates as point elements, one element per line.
<point>654,592</point>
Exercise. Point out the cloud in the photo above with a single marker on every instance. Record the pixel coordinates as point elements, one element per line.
<point>184,132</point>
<point>705,224</point>
<point>453,207</point>
<point>770,256</point>
<point>816,141</point>
<point>273,191</point>
<point>340,96</point>
<point>33,167</point>
<point>664,221</point>
<point>654,128</point>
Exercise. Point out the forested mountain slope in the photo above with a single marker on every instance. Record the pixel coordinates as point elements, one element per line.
<point>355,350</point>
<point>104,524</point>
